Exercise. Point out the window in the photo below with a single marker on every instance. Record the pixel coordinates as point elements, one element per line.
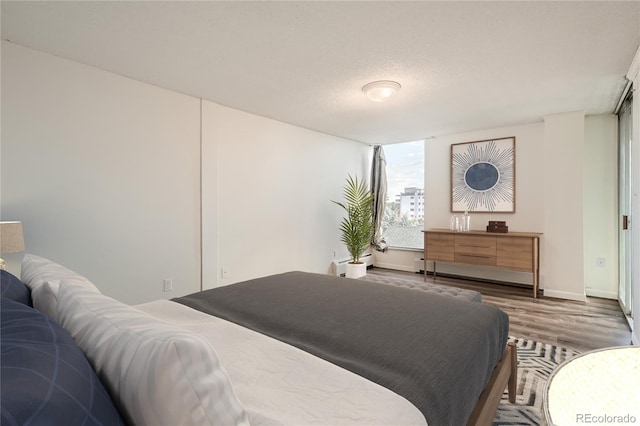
<point>403,221</point>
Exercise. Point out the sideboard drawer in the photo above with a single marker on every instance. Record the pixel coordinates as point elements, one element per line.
<point>439,247</point>
<point>475,259</point>
<point>476,245</point>
<point>516,253</point>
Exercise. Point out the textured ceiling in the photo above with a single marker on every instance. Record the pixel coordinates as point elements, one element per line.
<point>462,65</point>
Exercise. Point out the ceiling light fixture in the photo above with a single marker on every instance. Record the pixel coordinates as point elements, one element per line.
<point>380,91</point>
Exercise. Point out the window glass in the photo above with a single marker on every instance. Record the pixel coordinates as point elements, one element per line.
<point>404,213</point>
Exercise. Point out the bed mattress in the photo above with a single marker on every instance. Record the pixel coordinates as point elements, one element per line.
<point>280,384</point>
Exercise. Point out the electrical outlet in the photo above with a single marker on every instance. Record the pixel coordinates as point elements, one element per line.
<point>224,273</point>
<point>600,262</point>
<point>167,284</point>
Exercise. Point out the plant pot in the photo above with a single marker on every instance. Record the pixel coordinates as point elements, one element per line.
<point>356,270</point>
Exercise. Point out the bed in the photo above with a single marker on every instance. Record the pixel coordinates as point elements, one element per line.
<point>437,352</point>
<point>293,348</point>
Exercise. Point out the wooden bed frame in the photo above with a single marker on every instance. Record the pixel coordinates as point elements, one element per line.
<point>506,372</point>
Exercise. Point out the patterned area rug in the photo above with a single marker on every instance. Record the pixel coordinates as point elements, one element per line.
<point>536,362</point>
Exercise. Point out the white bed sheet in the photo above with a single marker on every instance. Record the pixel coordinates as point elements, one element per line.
<point>280,384</point>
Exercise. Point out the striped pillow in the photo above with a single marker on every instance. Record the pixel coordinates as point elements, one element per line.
<point>42,277</point>
<point>156,372</point>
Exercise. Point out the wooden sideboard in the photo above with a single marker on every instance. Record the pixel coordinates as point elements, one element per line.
<point>516,251</point>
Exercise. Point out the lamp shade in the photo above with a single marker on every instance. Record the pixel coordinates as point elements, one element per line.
<point>11,238</point>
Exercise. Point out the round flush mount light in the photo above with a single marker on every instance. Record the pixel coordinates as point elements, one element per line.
<point>380,91</point>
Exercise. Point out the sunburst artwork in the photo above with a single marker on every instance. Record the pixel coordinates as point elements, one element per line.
<point>483,176</point>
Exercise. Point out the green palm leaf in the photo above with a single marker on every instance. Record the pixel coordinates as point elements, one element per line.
<point>357,226</point>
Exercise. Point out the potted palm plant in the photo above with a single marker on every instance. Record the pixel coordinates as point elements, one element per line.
<point>357,226</point>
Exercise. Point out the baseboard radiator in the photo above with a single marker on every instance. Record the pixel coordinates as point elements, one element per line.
<point>341,266</point>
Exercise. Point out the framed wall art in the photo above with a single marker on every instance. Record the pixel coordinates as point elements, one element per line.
<point>483,176</point>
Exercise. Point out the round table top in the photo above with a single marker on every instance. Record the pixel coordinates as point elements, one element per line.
<point>597,387</point>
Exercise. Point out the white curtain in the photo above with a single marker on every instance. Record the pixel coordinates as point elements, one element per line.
<point>379,189</point>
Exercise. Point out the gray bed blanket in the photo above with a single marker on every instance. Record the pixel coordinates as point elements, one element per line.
<point>437,352</point>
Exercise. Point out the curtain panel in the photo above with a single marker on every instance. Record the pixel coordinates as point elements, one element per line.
<point>379,189</point>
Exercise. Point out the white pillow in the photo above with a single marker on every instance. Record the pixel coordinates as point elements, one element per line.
<point>42,276</point>
<point>156,372</point>
<point>45,298</point>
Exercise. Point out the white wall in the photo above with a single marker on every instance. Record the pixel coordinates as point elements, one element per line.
<point>601,205</point>
<point>399,259</point>
<point>562,179</point>
<point>104,173</point>
<point>565,167</point>
<point>274,182</point>
<point>529,196</point>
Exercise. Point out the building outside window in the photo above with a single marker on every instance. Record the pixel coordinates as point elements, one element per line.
<point>411,202</point>
<point>403,220</point>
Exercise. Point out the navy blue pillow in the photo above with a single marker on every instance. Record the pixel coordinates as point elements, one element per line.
<point>46,379</point>
<point>12,288</point>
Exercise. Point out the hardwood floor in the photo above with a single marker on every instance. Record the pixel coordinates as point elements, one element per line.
<point>598,323</point>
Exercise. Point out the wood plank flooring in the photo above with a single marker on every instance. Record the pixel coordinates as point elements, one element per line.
<point>598,323</point>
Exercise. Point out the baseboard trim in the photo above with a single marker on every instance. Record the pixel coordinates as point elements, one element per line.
<point>602,294</point>
<point>394,266</point>
<point>565,295</point>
